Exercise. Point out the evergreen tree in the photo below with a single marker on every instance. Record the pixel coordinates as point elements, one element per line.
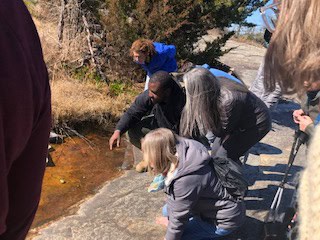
<point>178,22</point>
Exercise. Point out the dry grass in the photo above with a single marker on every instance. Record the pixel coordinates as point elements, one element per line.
<point>75,101</point>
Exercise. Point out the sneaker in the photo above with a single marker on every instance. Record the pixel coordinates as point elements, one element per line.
<point>142,167</point>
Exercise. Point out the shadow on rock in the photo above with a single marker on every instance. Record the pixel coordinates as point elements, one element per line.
<point>270,173</point>
<point>263,148</point>
<point>282,113</point>
<point>261,198</point>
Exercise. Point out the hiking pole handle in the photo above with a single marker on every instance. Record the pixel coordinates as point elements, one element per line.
<point>302,139</point>
<point>294,144</point>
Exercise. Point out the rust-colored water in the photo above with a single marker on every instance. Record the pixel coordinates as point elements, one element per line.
<point>79,171</point>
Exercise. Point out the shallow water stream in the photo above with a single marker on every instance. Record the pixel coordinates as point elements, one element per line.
<point>81,167</point>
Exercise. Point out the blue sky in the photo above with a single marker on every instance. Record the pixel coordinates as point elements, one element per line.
<point>256,18</point>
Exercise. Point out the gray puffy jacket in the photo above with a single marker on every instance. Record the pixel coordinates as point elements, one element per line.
<point>196,191</point>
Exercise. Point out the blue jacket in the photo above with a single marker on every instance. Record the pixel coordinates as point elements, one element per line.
<point>163,60</point>
<point>219,73</point>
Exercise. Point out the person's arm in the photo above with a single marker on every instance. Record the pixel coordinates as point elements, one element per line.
<point>141,106</point>
<point>310,129</point>
<point>186,194</point>
<point>231,112</point>
<point>170,51</point>
<point>164,52</point>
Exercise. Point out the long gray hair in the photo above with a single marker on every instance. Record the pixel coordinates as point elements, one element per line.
<point>201,112</point>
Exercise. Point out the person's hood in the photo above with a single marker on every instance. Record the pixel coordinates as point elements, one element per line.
<point>192,156</point>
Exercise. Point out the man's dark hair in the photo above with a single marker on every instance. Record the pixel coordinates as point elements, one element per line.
<point>162,77</point>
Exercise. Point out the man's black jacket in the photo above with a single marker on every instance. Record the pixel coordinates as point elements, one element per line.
<point>167,114</point>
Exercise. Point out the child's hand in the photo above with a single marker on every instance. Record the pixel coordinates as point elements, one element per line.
<point>162,221</point>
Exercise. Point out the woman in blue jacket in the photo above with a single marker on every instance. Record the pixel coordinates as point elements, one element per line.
<point>153,56</point>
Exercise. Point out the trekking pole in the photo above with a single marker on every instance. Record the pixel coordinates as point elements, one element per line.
<point>272,229</point>
<point>300,138</point>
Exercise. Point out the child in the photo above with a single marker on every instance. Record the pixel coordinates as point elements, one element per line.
<point>198,206</point>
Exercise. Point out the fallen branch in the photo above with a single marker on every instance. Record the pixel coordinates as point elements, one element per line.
<point>90,144</point>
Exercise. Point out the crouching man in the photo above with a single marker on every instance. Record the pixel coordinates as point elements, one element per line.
<point>159,106</point>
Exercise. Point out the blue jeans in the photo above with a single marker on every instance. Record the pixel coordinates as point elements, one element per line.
<point>197,229</point>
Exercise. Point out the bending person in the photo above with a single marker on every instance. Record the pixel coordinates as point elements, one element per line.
<point>198,206</point>
<point>153,57</point>
<point>160,106</point>
<point>237,118</point>
<point>292,61</point>
<point>270,98</point>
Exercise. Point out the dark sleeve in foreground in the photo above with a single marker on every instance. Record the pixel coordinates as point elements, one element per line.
<point>25,119</point>
<point>138,109</point>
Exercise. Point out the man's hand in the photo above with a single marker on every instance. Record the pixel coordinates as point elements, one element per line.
<point>297,114</point>
<point>115,136</point>
<point>304,121</point>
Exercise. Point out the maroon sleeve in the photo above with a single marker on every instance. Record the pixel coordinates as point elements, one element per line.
<point>24,93</point>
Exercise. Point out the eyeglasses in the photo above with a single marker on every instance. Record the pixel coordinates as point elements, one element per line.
<point>269,15</point>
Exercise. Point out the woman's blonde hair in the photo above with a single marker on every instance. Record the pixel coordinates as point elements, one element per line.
<point>145,46</point>
<point>159,148</point>
<point>293,55</point>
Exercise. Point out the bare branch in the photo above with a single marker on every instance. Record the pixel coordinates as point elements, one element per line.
<point>61,22</point>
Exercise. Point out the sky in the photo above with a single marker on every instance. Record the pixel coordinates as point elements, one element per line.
<point>256,17</point>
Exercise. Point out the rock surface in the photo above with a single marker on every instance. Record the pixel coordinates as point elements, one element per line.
<point>123,209</point>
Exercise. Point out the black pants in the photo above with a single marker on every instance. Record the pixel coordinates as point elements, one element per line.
<point>238,143</point>
<point>136,133</point>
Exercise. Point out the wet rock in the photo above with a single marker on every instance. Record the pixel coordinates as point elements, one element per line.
<point>126,165</point>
